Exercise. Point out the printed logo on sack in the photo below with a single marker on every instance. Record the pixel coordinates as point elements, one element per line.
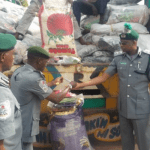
<point>102,128</point>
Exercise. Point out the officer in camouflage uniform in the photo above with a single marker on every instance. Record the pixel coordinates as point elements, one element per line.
<point>29,86</point>
<point>10,115</point>
<point>133,101</point>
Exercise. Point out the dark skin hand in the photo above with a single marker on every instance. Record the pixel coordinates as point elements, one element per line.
<point>95,81</point>
<point>57,81</point>
<point>56,98</point>
<point>2,145</point>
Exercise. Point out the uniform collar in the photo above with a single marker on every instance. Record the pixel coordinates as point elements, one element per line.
<point>139,52</point>
<point>33,69</point>
<point>4,80</point>
<point>30,67</point>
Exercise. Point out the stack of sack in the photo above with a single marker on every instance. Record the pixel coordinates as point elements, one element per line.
<point>10,14</point>
<point>105,38</point>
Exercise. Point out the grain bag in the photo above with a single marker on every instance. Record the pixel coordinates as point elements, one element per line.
<point>56,24</point>
<point>135,14</point>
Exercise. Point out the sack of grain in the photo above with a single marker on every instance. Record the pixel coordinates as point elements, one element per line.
<point>120,2</point>
<point>135,14</point>
<point>8,22</point>
<point>116,29</point>
<point>56,24</point>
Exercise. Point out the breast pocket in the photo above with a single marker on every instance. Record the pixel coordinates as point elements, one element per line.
<point>35,124</point>
<point>141,72</point>
<point>143,103</point>
<point>121,68</point>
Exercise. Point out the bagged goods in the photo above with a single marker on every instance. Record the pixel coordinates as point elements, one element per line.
<point>109,43</point>
<point>91,59</point>
<point>79,46</point>
<point>87,21</point>
<point>88,37</point>
<point>116,29</point>
<point>20,52</point>
<point>136,14</point>
<point>67,128</point>
<point>120,2</point>
<point>95,39</point>
<point>143,41</point>
<point>87,50</point>
<point>31,41</point>
<point>103,53</point>
<point>7,22</point>
<point>56,23</point>
<point>34,30</point>
<point>12,9</point>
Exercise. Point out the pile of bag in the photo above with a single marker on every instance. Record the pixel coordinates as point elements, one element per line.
<point>105,38</point>
<point>10,14</point>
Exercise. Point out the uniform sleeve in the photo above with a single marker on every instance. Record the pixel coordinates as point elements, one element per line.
<point>112,68</point>
<point>40,88</point>
<point>7,128</point>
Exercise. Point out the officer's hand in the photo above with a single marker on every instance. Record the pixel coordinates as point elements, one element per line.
<point>73,84</point>
<point>1,145</point>
<point>76,86</point>
<point>58,80</point>
<point>95,12</point>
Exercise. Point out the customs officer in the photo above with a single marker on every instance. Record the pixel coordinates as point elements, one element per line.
<point>29,86</point>
<point>133,101</point>
<point>10,115</point>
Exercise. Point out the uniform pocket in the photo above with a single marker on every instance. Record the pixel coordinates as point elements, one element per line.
<point>140,72</point>
<point>143,103</point>
<point>35,124</point>
<point>121,68</point>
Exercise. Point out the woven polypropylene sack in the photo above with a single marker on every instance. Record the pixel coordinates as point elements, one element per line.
<point>68,132</point>
<point>135,14</point>
<point>56,24</point>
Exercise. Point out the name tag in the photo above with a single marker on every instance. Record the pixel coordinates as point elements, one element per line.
<point>123,63</point>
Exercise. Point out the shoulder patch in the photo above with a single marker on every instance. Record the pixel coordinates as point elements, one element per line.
<point>43,85</point>
<point>5,110</point>
<point>146,51</point>
<point>118,53</point>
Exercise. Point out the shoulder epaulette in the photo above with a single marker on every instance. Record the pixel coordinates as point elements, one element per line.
<point>118,53</point>
<point>146,51</point>
<point>39,73</point>
<point>4,82</point>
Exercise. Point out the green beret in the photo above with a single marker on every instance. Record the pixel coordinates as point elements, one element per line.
<point>7,42</point>
<point>38,51</point>
<point>129,33</point>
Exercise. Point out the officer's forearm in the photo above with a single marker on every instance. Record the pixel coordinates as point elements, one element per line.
<point>95,81</point>
<point>2,145</point>
<point>50,84</point>
<point>56,98</point>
